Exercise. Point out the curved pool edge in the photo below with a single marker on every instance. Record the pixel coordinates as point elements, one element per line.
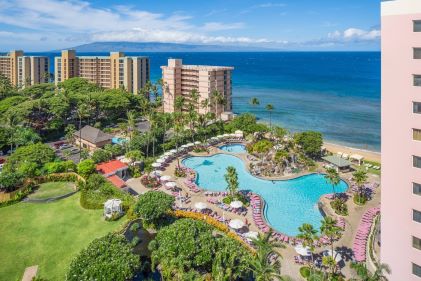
<point>321,208</point>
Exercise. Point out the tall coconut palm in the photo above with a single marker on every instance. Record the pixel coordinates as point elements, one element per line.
<point>365,275</point>
<point>330,263</point>
<point>254,101</point>
<point>330,229</point>
<point>218,100</point>
<point>231,177</point>
<point>332,177</point>
<point>194,95</point>
<point>131,123</point>
<point>269,107</point>
<point>308,234</point>
<point>263,270</point>
<point>360,177</point>
<point>266,246</point>
<point>82,112</point>
<point>205,105</point>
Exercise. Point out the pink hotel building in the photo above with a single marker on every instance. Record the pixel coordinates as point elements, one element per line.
<point>401,139</point>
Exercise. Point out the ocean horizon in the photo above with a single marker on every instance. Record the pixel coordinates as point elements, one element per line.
<point>336,93</point>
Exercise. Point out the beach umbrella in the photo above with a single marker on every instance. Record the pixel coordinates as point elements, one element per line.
<point>197,142</point>
<point>214,138</point>
<point>171,184</point>
<point>156,165</point>
<point>236,224</point>
<point>167,153</point>
<point>173,151</point>
<point>184,146</point>
<point>226,135</point>
<point>165,178</point>
<point>219,136</point>
<point>155,173</point>
<point>302,251</point>
<point>236,204</point>
<point>200,206</point>
<point>333,254</point>
<point>251,234</point>
<point>160,160</point>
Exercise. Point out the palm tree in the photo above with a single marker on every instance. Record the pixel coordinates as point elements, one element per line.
<point>254,101</point>
<point>269,107</point>
<point>131,123</point>
<point>330,263</point>
<point>332,177</point>
<point>205,105</point>
<point>82,112</point>
<point>263,270</point>
<point>265,246</point>
<point>330,229</point>
<point>308,234</point>
<point>218,99</point>
<point>360,178</point>
<point>231,177</point>
<point>194,95</point>
<point>365,275</point>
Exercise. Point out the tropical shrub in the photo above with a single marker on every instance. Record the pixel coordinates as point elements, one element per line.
<point>86,168</point>
<point>154,206</point>
<point>340,207</point>
<point>188,246</point>
<point>106,258</point>
<point>59,167</point>
<point>150,182</point>
<point>180,172</point>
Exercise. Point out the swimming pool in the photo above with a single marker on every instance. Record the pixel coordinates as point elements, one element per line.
<point>120,141</point>
<point>234,148</point>
<point>289,203</point>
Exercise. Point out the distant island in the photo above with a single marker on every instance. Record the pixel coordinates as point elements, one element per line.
<point>160,47</point>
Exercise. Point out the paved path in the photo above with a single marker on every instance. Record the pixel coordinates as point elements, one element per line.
<point>30,272</point>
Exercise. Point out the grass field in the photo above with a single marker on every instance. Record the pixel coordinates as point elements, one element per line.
<point>48,235</point>
<point>52,189</point>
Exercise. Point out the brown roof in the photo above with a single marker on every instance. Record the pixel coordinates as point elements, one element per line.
<point>93,135</point>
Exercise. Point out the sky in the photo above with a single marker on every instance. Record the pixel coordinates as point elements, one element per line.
<point>323,25</point>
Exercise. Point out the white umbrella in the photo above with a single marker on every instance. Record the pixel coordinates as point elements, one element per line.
<point>155,173</point>
<point>197,142</point>
<point>156,165</point>
<point>171,184</point>
<point>251,235</point>
<point>232,135</point>
<point>333,254</point>
<point>160,160</point>
<point>190,144</point>
<point>236,204</point>
<point>238,132</point>
<point>302,251</point>
<point>167,153</point>
<point>184,146</point>
<point>201,205</point>
<point>173,151</point>
<point>165,178</point>
<point>236,224</point>
<point>226,135</point>
<point>214,138</point>
<point>219,136</point>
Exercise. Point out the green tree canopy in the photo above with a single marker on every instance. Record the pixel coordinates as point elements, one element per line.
<point>106,258</point>
<point>86,167</point>
<point>311,142</point>
<point>154,205</point>
<point>38,154</point>
<point>101,155</point>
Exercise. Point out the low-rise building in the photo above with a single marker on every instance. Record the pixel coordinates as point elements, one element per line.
<point>92,138</point>
<point>114,171</point>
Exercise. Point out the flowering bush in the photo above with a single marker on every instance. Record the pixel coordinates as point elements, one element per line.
<point>150,182</point>
<point>180,172</point>
<point>200,148</point>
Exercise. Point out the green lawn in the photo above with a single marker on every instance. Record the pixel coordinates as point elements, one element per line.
<point>52,189</point>
<point>48,235</point>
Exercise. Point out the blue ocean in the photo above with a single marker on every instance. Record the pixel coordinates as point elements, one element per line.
<point>336,93</point>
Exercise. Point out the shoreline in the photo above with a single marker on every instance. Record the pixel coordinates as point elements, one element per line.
<point>368,154</point>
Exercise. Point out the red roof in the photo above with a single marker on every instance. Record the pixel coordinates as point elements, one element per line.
<point>116,181</point>
<point>111,167</point>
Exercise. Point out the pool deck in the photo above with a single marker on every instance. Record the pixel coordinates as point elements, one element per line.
<point>289,267</point>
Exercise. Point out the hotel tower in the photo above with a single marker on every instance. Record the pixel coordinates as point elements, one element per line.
<point>401,139</point>
<point>113,72</point>
<point>180,80</point>
<point>24,70</point>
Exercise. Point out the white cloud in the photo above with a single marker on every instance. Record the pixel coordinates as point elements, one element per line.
<point>355,34</point>
<point>270,5</point>
<point>80,22</point>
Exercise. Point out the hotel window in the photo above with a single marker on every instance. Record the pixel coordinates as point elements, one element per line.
<point>416,243</point>
<point>417,53</point>
<point>416,216</point>
<point>416,188</point>
<point>417,80</point>
<point>416,107</point>
<point>416,162</point>
<point>416,269</point>
<point>416,134</point>
<point>417,25</point>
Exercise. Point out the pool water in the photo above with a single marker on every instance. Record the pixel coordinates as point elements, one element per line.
<point>234,148</point>
<point>120,141</point>
<point>289,203</point>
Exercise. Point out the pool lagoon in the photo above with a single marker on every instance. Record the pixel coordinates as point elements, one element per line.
<point>289,203</point>
<point>234,148</point>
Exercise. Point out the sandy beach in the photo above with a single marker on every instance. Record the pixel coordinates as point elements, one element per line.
<point>368,155</point>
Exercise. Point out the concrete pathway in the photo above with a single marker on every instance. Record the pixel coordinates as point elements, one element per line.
<point>30,272</point>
